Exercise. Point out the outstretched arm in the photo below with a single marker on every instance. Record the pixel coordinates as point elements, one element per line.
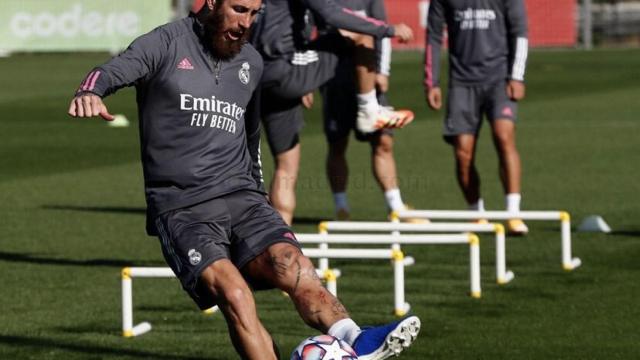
<point>347,19</point>
<point>138,61</point>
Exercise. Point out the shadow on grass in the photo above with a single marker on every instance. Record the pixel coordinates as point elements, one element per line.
<point>89,349</point>
<point>308,220</point>
<point>629,233</point>
<point>35,259</point>
<point>107,209</point>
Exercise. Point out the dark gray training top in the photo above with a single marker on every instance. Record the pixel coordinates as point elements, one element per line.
<point>487,40</point>
<point>191,109</point>
<point>282,27</point>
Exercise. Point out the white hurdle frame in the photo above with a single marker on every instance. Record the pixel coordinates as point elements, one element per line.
<point>569,263</point>
<point>401,307</point>
<point>127,273</point>
<point>503,276</point>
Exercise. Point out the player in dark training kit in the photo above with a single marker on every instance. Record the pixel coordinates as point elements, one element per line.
<point>296,65</point>
<point>340,109</point>
<point>487,57</point>
<point>194,79</point>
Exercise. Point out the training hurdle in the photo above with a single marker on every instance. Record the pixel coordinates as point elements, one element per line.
<point>502,275</point>
<point>568,262</point>
<point>128,273</point>
<point>401,307</point>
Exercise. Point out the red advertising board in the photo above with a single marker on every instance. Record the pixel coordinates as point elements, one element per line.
<point>551,22</point>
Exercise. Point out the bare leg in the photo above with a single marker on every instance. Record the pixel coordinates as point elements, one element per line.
<point>337,168</point>
<point>235,300</point>
<point>504,139</point>
<point>383,165</point>
<point>365,58</point>
<point>467,174</point>
<point>284,267</point>
<point>283,186</point>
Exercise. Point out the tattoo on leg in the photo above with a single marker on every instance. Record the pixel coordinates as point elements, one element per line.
<point>279,266</point>
<point>338,308</point>
<point>298,273</point>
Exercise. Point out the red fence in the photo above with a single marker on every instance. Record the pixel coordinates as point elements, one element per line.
<point>551,22</point>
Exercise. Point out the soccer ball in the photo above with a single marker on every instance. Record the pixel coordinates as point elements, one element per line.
<point>323,347</point>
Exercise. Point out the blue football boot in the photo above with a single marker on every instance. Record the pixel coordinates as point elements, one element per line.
<point>381,342</point>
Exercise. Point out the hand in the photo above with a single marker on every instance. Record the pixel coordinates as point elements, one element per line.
<point>434,98</point>
<point>89,105</point>
<point>515,90</point>
<point>382,83</point>
<point>307,101</point>
<point>403,32</point>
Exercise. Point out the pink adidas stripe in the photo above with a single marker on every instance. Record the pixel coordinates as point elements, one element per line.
<point>428,68</point>
<point>86,80</point>
<point>371,20</point>
<point>93,81</point>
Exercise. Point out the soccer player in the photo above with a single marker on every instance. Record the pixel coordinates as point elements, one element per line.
<point>340,109</point>
<point>194,79</point>
<point>295,66</point>
<point>487,58</point>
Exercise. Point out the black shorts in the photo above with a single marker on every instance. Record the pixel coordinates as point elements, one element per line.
<point>466,106</point>
<point>285,81</point>
<point>238,226</point>
<point>340,105</point>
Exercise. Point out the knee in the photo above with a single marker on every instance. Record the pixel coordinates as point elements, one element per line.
<point>292,270</point>
<point>384,146</point>
<point>464,157</point>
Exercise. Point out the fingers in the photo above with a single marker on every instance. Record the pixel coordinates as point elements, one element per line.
<point>510,91</point>
<point>307,100</point>
<point>403,33</point>
<point>434,99</point>
<point>89,105</point>
<point>104,113</point>
<point>72,108</point>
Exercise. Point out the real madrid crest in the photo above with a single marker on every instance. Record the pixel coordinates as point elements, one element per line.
<point>243,74</point>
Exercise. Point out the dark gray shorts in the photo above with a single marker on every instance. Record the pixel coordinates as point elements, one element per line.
<point>340,105</point>
<point>466,106</point>
<point>238,226</point>
<point>285,81</point>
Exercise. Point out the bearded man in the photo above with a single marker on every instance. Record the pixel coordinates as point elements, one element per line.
<point>194,79</point>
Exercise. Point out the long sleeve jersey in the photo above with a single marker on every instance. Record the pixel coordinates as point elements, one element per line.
<point>487,40</point>
<point>281,29</point>
<point>193,137</point>
<point>373,9</point>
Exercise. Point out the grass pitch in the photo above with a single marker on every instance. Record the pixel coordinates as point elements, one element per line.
<point>72,215</point>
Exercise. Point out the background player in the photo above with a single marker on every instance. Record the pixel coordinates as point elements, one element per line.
<point>296,66</point>
<point>194,79</point>
<point>487,57</point>
<point>339,114</point>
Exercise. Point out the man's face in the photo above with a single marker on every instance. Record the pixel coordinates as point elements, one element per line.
<point>227,25</point>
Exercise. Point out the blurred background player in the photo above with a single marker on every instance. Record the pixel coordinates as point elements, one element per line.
<point>487,56</point>
<point>340,108</point>
<point>295,66</point>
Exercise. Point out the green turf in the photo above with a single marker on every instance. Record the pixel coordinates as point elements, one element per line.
<point>71,216</point>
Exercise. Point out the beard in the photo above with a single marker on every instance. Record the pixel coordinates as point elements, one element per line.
<point>220,46</point>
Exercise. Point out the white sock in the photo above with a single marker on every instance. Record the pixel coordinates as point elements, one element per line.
<point>478,206</point>
<point>513,202</point>
<point>340,199</point>
<point>368,100</point>
<point>394,200</point>
<point>345,329</point>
